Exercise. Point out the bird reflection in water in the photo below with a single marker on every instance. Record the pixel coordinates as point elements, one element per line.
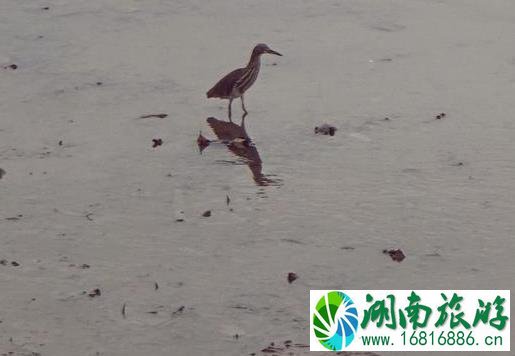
<point>236,139</point>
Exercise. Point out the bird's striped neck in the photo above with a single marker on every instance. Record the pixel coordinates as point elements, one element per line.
<point>255,60</point>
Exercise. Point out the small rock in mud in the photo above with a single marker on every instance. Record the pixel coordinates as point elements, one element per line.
<point>292,276</point>
<point>440,116</point>
<point>45,8</point>
<point>272,349</point>
<point>2,173</point>
<point>11,66</point>
<point>325,129</point>
<point>159,116</point>
<point>156,142</point>
<point>396,254</point>
<point>207,213</point>
<point>202,142</point>
<point>179,220</point>
<point>99,83</point>
<point>15,264</point>
<point>179,310</point>
<point>3,262</point>
<point>94,293</point>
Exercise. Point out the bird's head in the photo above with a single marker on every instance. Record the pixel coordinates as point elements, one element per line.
<point>263,48</point>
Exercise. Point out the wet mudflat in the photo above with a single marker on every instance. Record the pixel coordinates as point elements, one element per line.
<point>84,185</point>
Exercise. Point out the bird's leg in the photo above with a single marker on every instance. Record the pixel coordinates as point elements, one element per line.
<point>229,109</point>
<point>243,105</point>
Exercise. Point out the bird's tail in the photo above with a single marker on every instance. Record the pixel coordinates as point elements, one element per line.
<point>210,93</point>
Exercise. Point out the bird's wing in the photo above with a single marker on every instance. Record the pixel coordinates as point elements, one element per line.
<point>223,88</point>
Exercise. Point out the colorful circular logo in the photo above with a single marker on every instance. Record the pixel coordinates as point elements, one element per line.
<point>335,321</point>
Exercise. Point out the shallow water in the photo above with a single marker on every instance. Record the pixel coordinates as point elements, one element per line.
<point>441,190</point>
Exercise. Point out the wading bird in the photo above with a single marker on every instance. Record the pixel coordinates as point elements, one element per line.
<point>236,83</point>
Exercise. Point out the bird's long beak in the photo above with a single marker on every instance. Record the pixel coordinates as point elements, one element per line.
<point>273,52</point>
